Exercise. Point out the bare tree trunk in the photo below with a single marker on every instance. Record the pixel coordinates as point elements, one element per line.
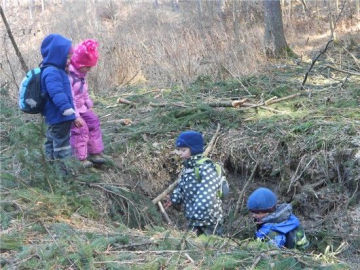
<point>304,6</point>
<point>31,5</point>
<point>236,22</point>
<point>17,51</point>
<point>199,7</point>
<point>332,22</point>
<point>221,8</point>
<point>175,5</point>
<point>4,4</point>
<point>275,42</point>
<point>290,9</point>
<point>357,8</point>
<point>42,5</point>
<point>156,3</point>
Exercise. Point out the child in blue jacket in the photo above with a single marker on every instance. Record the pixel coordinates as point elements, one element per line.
<point>59,109</point>
<point>198,195</point>
<point>276,224</point>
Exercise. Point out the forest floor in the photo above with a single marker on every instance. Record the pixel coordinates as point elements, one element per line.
<point>305,147</point>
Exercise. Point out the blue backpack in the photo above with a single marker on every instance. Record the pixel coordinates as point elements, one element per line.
<point>31,98</point>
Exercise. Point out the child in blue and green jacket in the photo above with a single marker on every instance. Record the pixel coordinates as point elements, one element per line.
<point>198,195</point>
<point>59,108</point>
<point>276,224</point>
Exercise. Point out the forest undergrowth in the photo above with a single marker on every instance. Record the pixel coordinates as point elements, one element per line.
<point>306,148</point>
<point>162,72</point>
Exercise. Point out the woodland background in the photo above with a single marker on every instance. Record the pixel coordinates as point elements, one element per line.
<point>167,66</point>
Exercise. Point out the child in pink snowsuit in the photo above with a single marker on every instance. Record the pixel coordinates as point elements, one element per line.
<point>86,137</point>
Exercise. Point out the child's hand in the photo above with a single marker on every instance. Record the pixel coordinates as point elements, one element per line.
<point>167,202</point>
<point>79,122</point>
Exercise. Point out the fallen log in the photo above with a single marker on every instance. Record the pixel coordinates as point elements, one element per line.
<point>234,103</point>
<point>125,101</point>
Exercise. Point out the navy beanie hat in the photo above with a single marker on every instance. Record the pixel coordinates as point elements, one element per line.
<point>192,139</point>
<point>262,199</point>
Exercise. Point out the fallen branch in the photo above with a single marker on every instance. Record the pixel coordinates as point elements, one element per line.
<point>235,103</point>
<point>168,220</point>
<point>178,104</point>
<point>241,195</point>
<point>313,63</point>
<point>189,258</point>
<point>357,62</point>
<point>236,78</point>
<point>211,144</point>
<point>125,101</point>
<point>350,72</point>
<point>133,245</point>
<point>165,192</point>
<point>122,121</point>
<point>272,101</point>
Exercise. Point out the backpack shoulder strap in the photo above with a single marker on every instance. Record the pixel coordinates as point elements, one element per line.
<point>200,162</point>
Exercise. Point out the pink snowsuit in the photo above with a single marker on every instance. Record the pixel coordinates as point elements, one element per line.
<point>85,140</point>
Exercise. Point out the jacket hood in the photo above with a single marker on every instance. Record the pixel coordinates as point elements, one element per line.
<point>54,50</point>
<point>283,212</point>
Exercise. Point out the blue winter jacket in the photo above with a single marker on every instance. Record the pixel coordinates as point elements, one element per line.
<point>276,225</point>
<point>54,79</point>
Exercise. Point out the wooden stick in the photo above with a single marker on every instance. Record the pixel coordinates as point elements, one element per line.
<point>165,192</point>
<point>168,220</point>
<point>357,62</point>
<point>168,105</point>
<point>241,195</point>
<point>344,71</point>
<point>269,102</point>
<point>125,101</point>
<point>313,63</point>
<point>211,144</point>
<point>235,103</point>
<point>189,258</point>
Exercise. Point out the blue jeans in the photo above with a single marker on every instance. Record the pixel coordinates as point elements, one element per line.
<point>57,145</point>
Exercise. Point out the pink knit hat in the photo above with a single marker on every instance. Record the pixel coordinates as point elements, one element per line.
<point>85,54</point>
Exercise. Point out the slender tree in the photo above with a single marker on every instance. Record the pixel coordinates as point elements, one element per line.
<point>275,42</point>
<point>17,51</point>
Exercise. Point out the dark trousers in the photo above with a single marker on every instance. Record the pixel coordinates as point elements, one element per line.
<point>207,229</point>
<point>57,145</point>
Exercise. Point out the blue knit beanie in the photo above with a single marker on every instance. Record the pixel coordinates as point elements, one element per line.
<point>262,199</point>
<point>193,140</point>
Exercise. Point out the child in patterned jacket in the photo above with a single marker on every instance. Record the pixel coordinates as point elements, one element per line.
<point>86,137</point>
<point>198,195</point>
<point>276,224</point>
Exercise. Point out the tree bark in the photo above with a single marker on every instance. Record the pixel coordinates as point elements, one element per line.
<point>275,42</point>
<point>17,51</point>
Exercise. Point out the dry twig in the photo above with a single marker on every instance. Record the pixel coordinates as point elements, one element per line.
<point>313,63</point>
<point>241,195</point>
